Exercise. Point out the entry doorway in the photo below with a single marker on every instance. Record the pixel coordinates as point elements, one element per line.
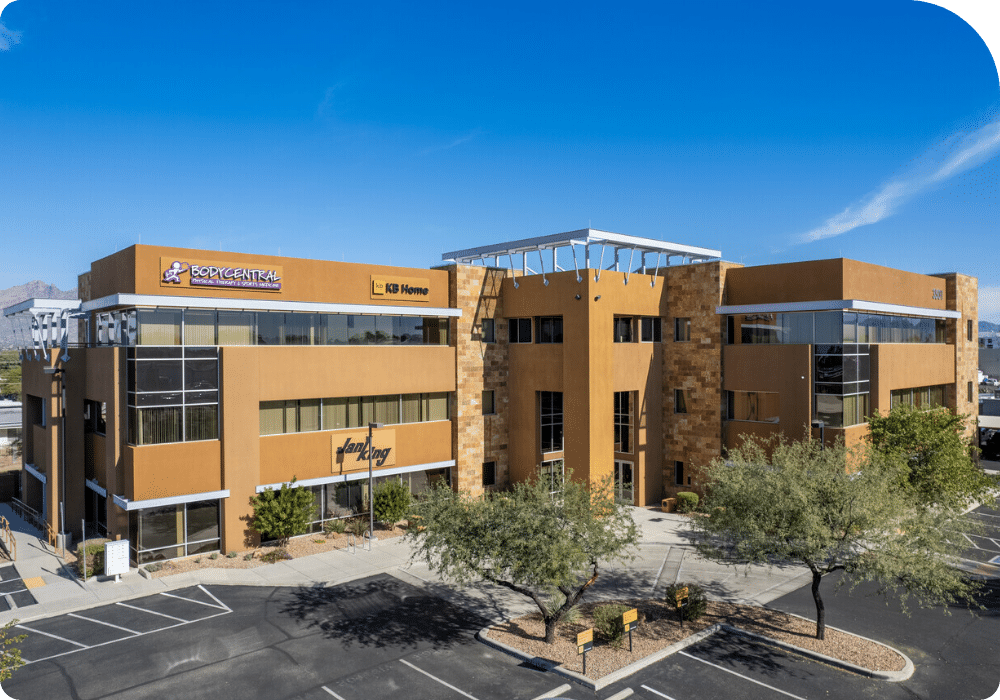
<point>623,482</point>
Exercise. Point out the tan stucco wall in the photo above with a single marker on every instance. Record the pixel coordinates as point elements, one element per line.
<point>908,365</point>
<point>175,469</point>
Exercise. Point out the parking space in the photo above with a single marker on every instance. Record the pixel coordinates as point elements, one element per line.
<point>14,590</point>
<point>984,547</point>
<point>75,632</point>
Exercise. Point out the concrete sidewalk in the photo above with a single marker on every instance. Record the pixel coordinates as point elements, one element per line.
<point>665,556</point>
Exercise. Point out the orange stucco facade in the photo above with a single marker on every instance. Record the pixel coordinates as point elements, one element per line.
<point>468,405</point>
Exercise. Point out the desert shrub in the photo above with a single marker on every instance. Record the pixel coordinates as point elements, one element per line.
<point>153,568</point>
<point>608,621</point>
<point>392,501</point>
<point>94,556</point>
<point>687,501</point>
<point>331,527</point>
<point>357,526</point>
<point>248,557</point>
<point>556,601</point>
<point>697,603</point>
<point>232,555</point>
<point>275,555</point>
<point>213,556</point>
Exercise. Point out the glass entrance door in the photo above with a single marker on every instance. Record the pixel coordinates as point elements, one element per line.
<point>623,482</point>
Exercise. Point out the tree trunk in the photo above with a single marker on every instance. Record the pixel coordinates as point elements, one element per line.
<point>551,622</point>
<point>820,613</point>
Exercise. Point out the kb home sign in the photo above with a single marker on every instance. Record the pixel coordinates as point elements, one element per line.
<point>400,288</point>
<point>352,449</point>
<point>213,273</point>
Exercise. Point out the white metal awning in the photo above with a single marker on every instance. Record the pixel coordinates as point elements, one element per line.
<point>612,245</point>
<point>41,325</point>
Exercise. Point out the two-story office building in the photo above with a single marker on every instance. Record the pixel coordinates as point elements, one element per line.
<point>206,377</point>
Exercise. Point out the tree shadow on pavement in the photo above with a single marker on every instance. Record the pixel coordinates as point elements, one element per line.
<point>380,612</point>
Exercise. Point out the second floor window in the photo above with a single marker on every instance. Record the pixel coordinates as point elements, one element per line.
<point>550,404</point>
<point>519,330</point>
<point>622,329</point>
<point>550,329</point>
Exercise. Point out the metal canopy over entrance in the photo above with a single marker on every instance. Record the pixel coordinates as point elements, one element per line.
<point>582,245</point>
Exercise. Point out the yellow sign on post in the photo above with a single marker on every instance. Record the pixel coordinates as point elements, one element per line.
<point>682,594</point>
<point>585,640</point>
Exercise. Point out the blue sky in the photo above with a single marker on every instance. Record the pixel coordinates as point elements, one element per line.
<point>391,132</point>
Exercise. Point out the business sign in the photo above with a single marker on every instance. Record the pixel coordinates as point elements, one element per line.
<point>351,449</point>
<point>216,274</point>
<point>390,287</point>
<point>630,619</point>
<point>585,641</point>
<point>116,558</point>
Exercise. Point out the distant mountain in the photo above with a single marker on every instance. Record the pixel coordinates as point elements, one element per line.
<point>22,292</point>
<point>987,326</point>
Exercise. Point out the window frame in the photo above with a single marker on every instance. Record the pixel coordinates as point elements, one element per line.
<point>553,424</point>
<point>490,467</point>
<point>680,401</point>
<point>515,331</point>
<point>492,402</point>
<point>682,329</point>
<point>488,330</point>
<point>549,330</point>
<point>655,324</point>
<point>622,322</point>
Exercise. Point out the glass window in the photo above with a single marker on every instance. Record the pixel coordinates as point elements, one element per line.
<point>436,406</point>
<point>680,401</point>
<point>436,331</point>
<point>830,410</point>
<point>489,405</point>
<point>159,425</point>
<point>410,408</point>
<point>159,375</point>
<point>202,521</point>
<point>489,333</point>
<point>159,326</point>
<point>387,409</point>
<point>850,327</point>
<point>763,407</point>
<point>201,423</point>
<point>269,328</point>
<point>308,415</point>
<point>829,326</point>
<point>519,330</point>
<point>553,473</point>
<point>384,331</point>
<point>622,327</point>
<point>623,421</point>
<point>678,473</point>
<point>335,329</point>
<point>200,374</point>
<point>334,414</point>
<point>362,330</point>
<point>237,328</point>
<point>272,417</point>
<point>550,329</point>
<point>489,473</point>
<point>199,327</point>
<point>652,330</point>
<point>682,329</point>
<point>298,329</point>
<point>410,330</point>
<point>551,420</point>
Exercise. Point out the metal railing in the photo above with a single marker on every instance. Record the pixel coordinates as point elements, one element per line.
<point>34,518</point>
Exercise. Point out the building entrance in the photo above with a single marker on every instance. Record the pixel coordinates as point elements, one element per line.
<point>623,482</point>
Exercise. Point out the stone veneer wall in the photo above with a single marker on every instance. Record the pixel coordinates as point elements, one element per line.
<point>695,437</point>
<point>480,367</point>
<point>962,294</point>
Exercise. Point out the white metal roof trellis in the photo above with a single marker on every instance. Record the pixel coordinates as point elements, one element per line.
<point>43,324</point>
<point>586,239</point>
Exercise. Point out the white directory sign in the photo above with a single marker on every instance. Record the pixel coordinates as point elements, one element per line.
<point>116,558</point>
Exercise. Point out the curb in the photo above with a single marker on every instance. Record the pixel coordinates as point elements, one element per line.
<point>624,672</point>
<point>891,676</point>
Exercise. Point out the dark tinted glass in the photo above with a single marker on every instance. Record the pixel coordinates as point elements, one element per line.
<point>201,397</point>
<point>410,330</point>
<point>158,375</point>
<point>169,398</point>
<point>829,368</point>
<point>201,374</point>
<point>201,353</point>
<point>157,352</point>
<point>269,331</point>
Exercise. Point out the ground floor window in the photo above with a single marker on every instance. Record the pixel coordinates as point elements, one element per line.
<point>177,530</point>
<point>97,512</point>
<point>553,473</point>
<point>623,482</point>
<point>347,499</point>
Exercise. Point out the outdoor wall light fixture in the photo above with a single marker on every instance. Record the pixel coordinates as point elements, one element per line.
<point>597,298</point>
<point>577,297</point>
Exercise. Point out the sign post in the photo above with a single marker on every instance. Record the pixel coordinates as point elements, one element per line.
<point>630,619</point>
<point>116,559</point>
<point>682,601</point>
<point>584,643</point>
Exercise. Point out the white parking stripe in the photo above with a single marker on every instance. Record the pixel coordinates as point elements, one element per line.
<point>61,639</point>
<point>331,692</point>
<point>752,680</point>
<point>102,622</point>
<point>554,692</point>
<point>221,604</point>
<point>656,692</point>
<point>152,612</point>
<point>447,685</point>
<point>192,600</point>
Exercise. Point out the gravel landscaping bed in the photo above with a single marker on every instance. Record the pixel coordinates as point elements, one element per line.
<point>659,628</point>
<point>302,546</point>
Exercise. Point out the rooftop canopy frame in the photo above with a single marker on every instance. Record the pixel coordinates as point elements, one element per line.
<point>582,244</point>
<point>41,325</point>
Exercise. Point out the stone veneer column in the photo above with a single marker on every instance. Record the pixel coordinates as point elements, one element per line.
<point>480,366</point>
<point>695,437</point>
<point>962,294</point>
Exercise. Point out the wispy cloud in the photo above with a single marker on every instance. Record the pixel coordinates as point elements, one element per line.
<point>8,37</point>
<point>956,154</point>
<point>989,304</point>
<point>453,143</point>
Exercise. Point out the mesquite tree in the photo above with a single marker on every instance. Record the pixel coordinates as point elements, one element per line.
<point>830,510</point>
<point>528,540</point>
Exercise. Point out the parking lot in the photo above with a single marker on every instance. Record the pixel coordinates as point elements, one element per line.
<point>372,639</point>
<point>984,547</point>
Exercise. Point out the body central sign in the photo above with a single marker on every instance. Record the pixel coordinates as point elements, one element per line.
<point>400,288</point>
<point>199,273</point>
<point>351,450</point>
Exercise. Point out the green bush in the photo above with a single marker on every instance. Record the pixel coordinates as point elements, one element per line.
<point>608,621</point>
<point>337,526</point>
<point>556,601</point>
<point>687,501</point>
<point>213,556</point>
<point>697,603</point>
<point>357,526</point>
<point>153,568</point>
<point>232,555</point>
<point>248,557</point>
<point>94,558</point>
<point>392,501</point>
<point>280,515</point>
<point>275,555</point>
